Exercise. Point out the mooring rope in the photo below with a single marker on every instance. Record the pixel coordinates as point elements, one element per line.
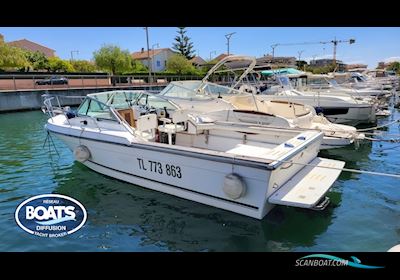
<point>344,169</point>
<point>389,148</point>
<point>382,140</point>
<point>377,127</point>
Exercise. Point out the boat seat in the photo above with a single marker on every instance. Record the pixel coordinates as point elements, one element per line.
<point>146,126</point>
<point>172,126</point>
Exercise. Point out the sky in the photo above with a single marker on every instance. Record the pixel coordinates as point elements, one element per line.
<point>373,44</point>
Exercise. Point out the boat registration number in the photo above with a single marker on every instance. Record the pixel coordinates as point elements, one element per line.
<point>160,168</point>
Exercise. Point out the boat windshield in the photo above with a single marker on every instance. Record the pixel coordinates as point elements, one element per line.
<point>184,90</point>
<point>98,105</point>
<point>284,82</point>
<point>155,102</point>
<point>96,109</point>
<point>195,90</point>
<point>334,83</point>
<point>123,99</point>
<point>358,78</point>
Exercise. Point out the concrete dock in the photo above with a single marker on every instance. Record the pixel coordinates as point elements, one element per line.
<point>21,100</point>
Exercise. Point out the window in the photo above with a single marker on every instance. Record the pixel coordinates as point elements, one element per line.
<point>95,109</point>
<point>155,102</point>
<point>158,63</point>
<point>82,110</point>
<point>165,63</point>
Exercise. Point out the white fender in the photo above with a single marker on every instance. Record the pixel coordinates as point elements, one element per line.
<point>234,187</point>
<point>395,249</point>
<point>81,153</point>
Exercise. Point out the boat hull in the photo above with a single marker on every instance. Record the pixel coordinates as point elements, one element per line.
<point>353,116</point>
<point>198,178</point>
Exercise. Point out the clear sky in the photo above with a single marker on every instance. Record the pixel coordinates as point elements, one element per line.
<point>372,44</point>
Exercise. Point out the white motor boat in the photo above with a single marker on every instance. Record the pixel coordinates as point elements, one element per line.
<point>326,84</point>
<point>149,141</point>
<point>361,82</point>
<point>238,105</point>
<point>338,108</point>
<point>222,103</point>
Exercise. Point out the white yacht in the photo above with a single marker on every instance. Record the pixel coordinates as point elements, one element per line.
<point>363,83</point>
<point>152,142</point>
<point>217,102</point>
<point>338,107</point>
<point>327,84</point>
<point>240,105</point>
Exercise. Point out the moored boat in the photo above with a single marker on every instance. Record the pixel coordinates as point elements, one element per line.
<point>150,141</point>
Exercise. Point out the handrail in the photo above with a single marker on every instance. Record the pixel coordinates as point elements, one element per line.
<point>32,81</point>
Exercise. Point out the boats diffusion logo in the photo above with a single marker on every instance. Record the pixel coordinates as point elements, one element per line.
<point>50,215</point>
<point>329,260</point>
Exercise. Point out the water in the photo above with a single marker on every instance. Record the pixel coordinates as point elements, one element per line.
<point>364,214</point>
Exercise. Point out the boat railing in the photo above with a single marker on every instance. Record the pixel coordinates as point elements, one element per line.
<point>224,61</point>
<point>114,112</point>
<point>57,109</point>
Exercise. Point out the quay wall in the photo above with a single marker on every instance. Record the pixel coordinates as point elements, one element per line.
<point>21,100</point>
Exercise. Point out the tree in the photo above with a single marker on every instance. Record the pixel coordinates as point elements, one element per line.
<point>138,67</point>
<point>394,66</point>
<point>183,44</point>
<point>111,58</point>
<point>56,64</point>
<point>301,64</point>
<point>37,60</point>
<point>83,66</point>
<point>179,64</point>
<point>320,70</point>
<point>12,57</point>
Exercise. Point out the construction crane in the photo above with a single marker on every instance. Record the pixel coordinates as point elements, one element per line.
<point>334,42</point>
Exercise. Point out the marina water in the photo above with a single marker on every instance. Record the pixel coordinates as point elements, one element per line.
<point>364,214</point>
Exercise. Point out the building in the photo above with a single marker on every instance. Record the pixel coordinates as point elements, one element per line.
<point>197,61</point>
<point>326,62</point>
<point>158,58</point>
<point>383,65</point>
<point>276,61</point>
<point>220,57</point>
<point>1,38</point>
<point>356,66</point>
<point>33,47</point>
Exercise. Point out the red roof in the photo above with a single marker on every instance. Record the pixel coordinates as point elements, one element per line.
<point>32,46</point>
<point>198,60</point>
<point>143,54</point>
<point>220,57</point>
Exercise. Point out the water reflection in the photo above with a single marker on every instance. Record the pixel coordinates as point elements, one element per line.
<point>178,224</point>
<point>363,215</point>
<point>355,156</point>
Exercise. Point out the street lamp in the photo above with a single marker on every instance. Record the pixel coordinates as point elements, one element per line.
<point>273,49</point>
<point>72,54</point>
<point>299,53</point>
<point>213,52</point>
<point>314,56</point>
<point>228,37</point>
<point>152,57</point>
<point>148,52</point>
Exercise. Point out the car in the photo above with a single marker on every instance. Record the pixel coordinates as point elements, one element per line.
<point>53,80</point>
